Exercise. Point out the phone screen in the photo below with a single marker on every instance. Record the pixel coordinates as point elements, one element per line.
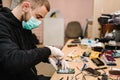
<point>67,71</point>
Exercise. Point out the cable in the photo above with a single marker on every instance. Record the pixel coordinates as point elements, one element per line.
<point>83,78</point>
<point>77,75</point>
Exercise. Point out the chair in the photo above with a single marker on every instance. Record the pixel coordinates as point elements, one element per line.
<point>73,30</point>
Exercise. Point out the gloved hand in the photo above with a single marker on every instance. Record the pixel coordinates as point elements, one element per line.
<point>64,64</point>
<point>53,62</point>
<point>56,52</point>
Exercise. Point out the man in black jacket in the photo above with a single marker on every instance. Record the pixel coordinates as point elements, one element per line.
<point>18,53</point>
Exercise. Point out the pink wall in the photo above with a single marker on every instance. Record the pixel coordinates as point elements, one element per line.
<point>71,10</point>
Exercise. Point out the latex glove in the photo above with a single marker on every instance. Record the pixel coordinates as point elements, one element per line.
<point>53,62</point>
<point>64,64</point>
<point>56,52</point>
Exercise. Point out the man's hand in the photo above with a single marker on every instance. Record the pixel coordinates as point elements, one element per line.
<point>63,63</point>
<point>53,62</point>
<point>57,55</point>
<point>56,52</point>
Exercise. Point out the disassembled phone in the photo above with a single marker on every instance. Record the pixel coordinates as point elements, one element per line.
<point>67,71</point>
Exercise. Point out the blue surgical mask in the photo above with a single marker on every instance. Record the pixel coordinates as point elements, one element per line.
<point>31,23</point>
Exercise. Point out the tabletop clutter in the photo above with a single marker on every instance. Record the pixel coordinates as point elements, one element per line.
<point>100,56</point>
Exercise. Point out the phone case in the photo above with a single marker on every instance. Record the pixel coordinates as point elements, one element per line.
<point>109,58</point>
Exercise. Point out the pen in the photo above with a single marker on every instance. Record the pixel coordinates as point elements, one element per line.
<point>71,53</point>
<point>61,78</point>
<point>67,77</point>
<point>72,77</point>
<point>77,67</point>
<point>58,62</point>
<point>83,67</point>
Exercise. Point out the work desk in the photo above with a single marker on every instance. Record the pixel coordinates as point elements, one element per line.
<point>77,64</point>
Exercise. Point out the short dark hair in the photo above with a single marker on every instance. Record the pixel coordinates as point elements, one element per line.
<point>39,2</point>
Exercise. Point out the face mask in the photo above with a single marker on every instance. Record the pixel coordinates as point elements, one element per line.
<point>31,23</point>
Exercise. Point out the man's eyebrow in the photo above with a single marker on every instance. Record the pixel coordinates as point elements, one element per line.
<point>39,15</point>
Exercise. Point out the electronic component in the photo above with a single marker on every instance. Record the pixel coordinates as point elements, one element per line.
<point>75,41</point>
<point>72,45</point>
<point>114,72</point>
<point>93,71</point>
<point>66,71</point>
<point>109,60</point>
<point>100,68</point>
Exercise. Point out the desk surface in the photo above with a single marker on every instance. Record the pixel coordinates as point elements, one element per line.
<point>78,63</point>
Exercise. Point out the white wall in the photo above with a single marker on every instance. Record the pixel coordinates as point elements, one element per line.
<point>53,33</point>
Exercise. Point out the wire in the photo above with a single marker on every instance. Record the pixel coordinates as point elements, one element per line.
<point>103,71</point>
<point>77,75</point>
<point>83,78</point>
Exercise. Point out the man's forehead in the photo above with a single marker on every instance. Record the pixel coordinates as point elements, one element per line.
<point>41,10</point>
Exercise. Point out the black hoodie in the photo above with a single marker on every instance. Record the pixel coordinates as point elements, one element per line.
<point>18,53</point>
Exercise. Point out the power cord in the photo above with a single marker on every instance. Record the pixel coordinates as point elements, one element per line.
<point>104,77</point>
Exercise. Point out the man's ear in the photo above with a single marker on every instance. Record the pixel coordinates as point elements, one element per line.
<point>26,6</point>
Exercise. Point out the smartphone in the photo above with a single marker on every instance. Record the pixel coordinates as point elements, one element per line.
<point>97,61</point>
<point>93,71</point>
<point>67,71</point>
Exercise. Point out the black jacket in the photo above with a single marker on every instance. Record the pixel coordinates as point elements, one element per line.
<point>18,53</point>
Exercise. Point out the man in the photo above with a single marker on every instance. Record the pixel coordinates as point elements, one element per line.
<point>18,53</point>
